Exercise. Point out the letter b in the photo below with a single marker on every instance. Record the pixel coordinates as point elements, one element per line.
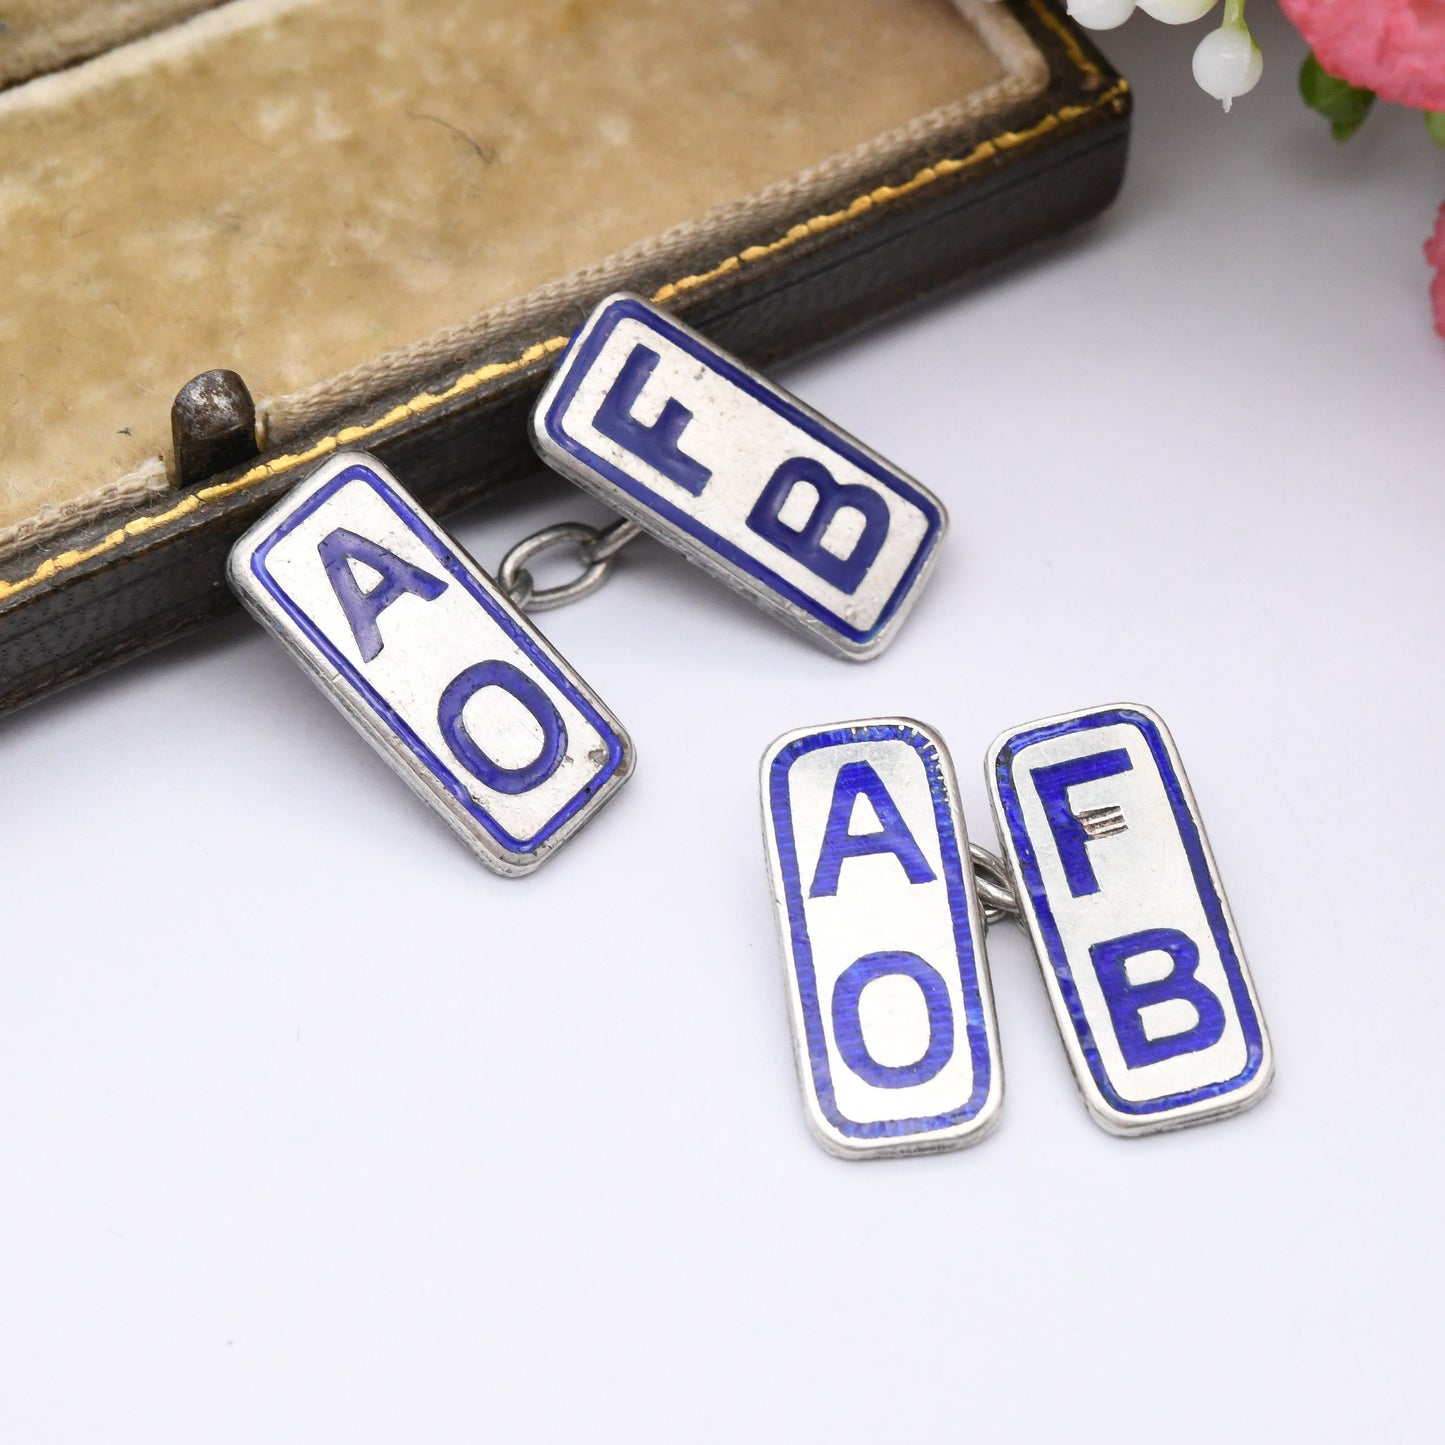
<point>805,544</point>
<point>1127,1000</point>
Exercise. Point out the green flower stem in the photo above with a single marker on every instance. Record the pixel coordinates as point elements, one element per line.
<point>1234,14</point>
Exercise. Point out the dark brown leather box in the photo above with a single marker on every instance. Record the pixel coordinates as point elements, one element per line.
<point>388,219</point>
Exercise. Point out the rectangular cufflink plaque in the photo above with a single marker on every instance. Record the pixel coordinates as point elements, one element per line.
<point>739,476</point>
<point>431,662</point>
<point>1118,889</point>
<point>888,989</point>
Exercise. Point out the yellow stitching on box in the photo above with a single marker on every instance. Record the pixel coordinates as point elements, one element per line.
<point>1068,39</point>
<point>425,401</point>
<point>884,194</point>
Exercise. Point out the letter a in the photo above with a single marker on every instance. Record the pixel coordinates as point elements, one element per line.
<point>855,780</point>
<point>338,550</point>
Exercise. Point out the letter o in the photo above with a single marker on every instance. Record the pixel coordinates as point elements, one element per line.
<point>848,1027</point>
<point>496,673</point>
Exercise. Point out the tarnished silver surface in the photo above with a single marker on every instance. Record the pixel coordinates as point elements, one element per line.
<point>1118,889</point>
<point>431,662</point>
<point>739,476</point>
<point>887,979</point>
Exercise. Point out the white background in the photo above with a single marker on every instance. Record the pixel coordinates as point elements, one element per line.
<point>314,1131</point>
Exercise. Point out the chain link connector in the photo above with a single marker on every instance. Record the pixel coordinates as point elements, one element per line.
<point>610,540</point>
<point>597,548</point>
<point>994,881</point>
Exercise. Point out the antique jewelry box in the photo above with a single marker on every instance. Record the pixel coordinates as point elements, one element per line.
<point>382,222</point>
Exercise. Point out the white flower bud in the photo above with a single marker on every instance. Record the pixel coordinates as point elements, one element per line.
<point>1177,12</point>
<point>1228,63</point>
<point>1100,14</point>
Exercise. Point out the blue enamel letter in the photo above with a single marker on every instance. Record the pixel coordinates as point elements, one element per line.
<point>460,692</point>
<point>805,544</point>
<point>659,445</point>
<point>338,549</point>
<point>1052,784</point>
<point>1127,1000</point>
<point>855,779</point>
<point>848,1026</point>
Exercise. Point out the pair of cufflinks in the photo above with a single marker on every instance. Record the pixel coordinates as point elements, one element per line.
<point>434,661</point>
<point>882,927</point>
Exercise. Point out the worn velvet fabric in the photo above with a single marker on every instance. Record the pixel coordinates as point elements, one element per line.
<point>328,196</point>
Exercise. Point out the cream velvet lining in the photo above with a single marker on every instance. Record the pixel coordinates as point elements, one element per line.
<point>316,195</point>
<point>37,36</point>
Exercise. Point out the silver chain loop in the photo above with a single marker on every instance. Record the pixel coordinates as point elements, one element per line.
<point>994,881</point>
<point>596,548</point>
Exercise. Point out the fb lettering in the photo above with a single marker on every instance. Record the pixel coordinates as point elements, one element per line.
<point>660,445</point>
<point>1118,890</point>
<point>740,477</point>
<point>1125,999</point>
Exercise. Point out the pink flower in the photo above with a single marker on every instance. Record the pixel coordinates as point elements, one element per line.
<point>1394,47</point>
<point>1435,255</point>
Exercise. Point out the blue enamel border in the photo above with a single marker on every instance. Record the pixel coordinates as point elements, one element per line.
<point>576,364</point>
<point>448,560</point>
<point>782,818</point>
<point>1209,896</point>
